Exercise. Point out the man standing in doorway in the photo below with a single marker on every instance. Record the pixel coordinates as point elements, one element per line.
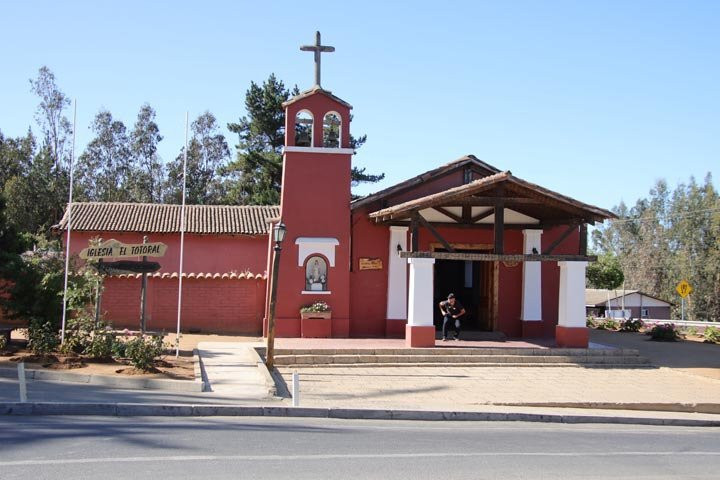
<point>452,310</point>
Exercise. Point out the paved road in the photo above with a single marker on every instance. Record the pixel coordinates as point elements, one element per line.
<point>248,448</point>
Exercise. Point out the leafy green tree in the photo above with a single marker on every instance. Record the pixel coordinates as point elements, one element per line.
<point>16,156</point>
<point>606,273</point>
<point>668,237</point>
<point>35,199</point>
<point>147,179</point>
<point>104,169</point>
<point>256,172</point>
<point>55,126</point>
<point>207,156</point>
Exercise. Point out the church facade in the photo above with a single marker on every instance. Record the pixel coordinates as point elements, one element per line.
<point>513,252</point>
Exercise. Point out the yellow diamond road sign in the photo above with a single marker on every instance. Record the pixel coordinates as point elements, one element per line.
<point>684,288</point>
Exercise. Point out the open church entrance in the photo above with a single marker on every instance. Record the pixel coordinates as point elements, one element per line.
<point>473,284</point>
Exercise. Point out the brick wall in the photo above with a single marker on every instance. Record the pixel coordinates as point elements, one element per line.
<point>210,306</point>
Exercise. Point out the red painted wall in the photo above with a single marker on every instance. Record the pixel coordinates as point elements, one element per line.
<point>218,306</point>
<point>368,288</point>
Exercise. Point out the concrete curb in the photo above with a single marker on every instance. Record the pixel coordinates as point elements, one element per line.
<point>708,408</point>
<point>264,372</point>
<point>135,409</point>
<point>165,384</point>
<point>198,370</point>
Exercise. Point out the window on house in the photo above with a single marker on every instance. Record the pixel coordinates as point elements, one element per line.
<point>303,129</point>
<point>331,130</point>
<point>316,274</point>
<point>645,313</point>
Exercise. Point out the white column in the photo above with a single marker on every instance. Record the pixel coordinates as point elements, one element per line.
<point>531,283</point>
<point>420,301</point>
<point>397,275</point>
<point>571,305</point>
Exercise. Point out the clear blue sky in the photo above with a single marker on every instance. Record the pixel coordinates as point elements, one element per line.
<point>595,100</point>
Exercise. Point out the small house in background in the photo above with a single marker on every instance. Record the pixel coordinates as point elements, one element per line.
<point>636,304</point>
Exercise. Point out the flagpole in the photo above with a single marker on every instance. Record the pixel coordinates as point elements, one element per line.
<point>69,225</point>
<point>182,241</point>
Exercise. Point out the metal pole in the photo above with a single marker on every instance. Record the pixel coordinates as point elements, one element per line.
<point>295,389</point>
<point>69,226</point>
<point>182,241</point>
<point>21,381</point>
<point>143,293</point>
<point>270,353</point>
<point>682,307</point>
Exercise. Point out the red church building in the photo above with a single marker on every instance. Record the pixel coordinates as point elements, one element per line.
<point>513,252</point>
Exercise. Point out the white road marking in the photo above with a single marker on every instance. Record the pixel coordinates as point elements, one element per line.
<point>340,456</point>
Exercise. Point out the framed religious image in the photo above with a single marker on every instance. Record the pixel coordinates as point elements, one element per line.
<point>316,274</point>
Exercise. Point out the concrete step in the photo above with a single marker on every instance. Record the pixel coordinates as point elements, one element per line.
<point>445,351</point>
<point>474,365</point>
<point>447,360</point>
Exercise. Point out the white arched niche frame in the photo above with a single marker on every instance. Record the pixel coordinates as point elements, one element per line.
<point>314,246</point>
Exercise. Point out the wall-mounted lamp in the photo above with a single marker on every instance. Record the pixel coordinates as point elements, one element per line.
<point>399,248</point>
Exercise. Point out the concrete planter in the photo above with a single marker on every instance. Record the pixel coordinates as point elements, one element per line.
<point>315,315</point>
<point>316,324</point>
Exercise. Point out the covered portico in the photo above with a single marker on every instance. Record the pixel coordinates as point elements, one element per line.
<point>480,221</point>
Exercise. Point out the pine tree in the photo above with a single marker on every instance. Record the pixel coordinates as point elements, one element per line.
<point>256,172</point>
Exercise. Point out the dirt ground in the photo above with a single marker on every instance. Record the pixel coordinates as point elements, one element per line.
<point>180,368</point>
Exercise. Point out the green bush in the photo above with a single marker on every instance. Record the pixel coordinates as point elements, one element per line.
<point>143,350</point>
<point>589,322</point>
<point>608,324</point>
<point>42,337</point>
<point>315,307</point>
<point>631,325</point>
<point>78,335</point>
<point>101,343</point>
<point>712,335</point>
<point>3,342</point>
<point>664,333</point>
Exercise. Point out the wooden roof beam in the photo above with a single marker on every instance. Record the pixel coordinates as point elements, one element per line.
<point>434,232</point>
<point>492,257</point>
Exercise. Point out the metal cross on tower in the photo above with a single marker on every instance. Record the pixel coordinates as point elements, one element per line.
<point>317,49</point>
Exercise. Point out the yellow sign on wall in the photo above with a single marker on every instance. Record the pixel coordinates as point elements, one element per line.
<point>371,264</point>
<point>684,288</point>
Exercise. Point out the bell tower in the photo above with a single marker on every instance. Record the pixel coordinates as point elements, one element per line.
<point>315,207</point>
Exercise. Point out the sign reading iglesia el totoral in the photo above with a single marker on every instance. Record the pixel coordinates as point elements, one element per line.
<point>114,249</point>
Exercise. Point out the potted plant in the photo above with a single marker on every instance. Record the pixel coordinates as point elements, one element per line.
<point>318,310</point>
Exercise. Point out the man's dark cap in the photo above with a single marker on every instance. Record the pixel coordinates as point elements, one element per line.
<point>452,295</point>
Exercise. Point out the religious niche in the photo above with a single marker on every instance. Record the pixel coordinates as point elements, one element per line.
<point>303,129</point>
<point>316,274</point>
<point>331,130</point>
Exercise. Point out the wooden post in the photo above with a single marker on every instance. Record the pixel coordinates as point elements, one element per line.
<point>583,238</point>
<point>414,233</point>
<point>270,353</point>
<point>499,226</point>
<point>97,294</point>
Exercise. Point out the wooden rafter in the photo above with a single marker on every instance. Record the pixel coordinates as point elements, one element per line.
<point>435,233</point>
<point>482,215</point>
<point>448,214</point>
<point>551,248</point>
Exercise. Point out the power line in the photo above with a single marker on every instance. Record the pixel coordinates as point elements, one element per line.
<point>680,215</point>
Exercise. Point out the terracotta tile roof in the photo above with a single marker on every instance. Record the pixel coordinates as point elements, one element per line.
<point>199,276</point>
<point>165,218</point>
